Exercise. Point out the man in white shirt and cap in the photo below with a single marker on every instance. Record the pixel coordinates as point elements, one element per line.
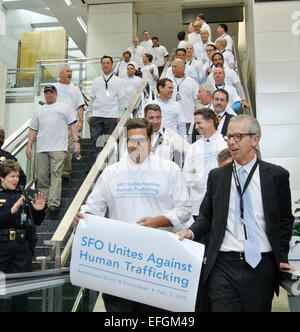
<point>140,189</point>
<point>49,126</point>
<point>202,156</point>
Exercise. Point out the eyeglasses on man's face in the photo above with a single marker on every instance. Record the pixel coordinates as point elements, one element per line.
<point>237,137</point>
<point>134,141</point>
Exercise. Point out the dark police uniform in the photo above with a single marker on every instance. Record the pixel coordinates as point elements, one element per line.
<point>4,155</point>
<point>17,238</point>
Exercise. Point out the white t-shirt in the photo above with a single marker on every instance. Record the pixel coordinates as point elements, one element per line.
<point>171,112</point>
<point>200,159</point>
<point>68,94</point>
<point>110,102</point>
<point>146,44</point>
<point>133,191</point>
<point>137,53</point>
<point>187,88</point>
<point>182,44</point>
<point>51,122</point>
<point>159,53</point>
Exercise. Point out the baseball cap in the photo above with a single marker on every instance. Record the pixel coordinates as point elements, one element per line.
<point>50,87</point>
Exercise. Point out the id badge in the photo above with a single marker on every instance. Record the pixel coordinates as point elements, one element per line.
<point>178,97</point>
<point>107,93</point>
<point>242,232</point>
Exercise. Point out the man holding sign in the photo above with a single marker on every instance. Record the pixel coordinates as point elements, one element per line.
<point>140,189</point>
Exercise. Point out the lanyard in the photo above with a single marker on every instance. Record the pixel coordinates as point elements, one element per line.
<point>238,185</point>
<point>106,81</point>
<point>158,142</point>
<point>178,85</point>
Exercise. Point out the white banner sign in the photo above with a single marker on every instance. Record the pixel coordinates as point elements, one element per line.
<point>138,263</point>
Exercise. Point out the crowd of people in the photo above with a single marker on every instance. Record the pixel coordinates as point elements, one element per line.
<point>192,145</point>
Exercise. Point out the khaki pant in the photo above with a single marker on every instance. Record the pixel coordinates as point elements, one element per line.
<point>68,160</point>
<point>49,167</point>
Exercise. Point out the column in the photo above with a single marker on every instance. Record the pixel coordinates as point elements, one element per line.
<point>110,29</point>
<point>3,71</point>
<point>277,62</point>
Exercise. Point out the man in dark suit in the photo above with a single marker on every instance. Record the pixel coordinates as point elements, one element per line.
<point>220,102</point>
<point>249,229</point>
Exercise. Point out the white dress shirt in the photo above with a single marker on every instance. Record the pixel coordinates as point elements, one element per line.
<point>230,241</point>
<point>229,40</point>
<point>150,78</point>
<point>200,159</point>
<point>147,44</point>
<point>170,142</point>
<point>187,88</point>
<point>172,115</point>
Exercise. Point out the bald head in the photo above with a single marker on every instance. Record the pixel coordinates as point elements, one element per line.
<point>178,67</point>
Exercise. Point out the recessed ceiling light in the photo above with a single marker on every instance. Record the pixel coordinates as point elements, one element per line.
<point>81,22</point>
<point>68,2</point>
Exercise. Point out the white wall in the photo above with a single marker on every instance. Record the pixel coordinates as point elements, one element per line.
<point>110,29</point>
<point>3,70</point>
<point>277,60</point>
<point>16,114</point>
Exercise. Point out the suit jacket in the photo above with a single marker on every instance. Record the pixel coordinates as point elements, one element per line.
<point>276,198</point>
<point>226,123</point>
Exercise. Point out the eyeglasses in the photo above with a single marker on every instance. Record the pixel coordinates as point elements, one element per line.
<point>134,141</point>
<point>237,137</point>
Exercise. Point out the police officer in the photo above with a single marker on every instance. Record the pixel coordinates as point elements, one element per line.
<point>4,155</point>
<point>18,215</point>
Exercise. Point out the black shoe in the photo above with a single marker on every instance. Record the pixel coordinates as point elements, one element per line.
<point>53,208</point>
